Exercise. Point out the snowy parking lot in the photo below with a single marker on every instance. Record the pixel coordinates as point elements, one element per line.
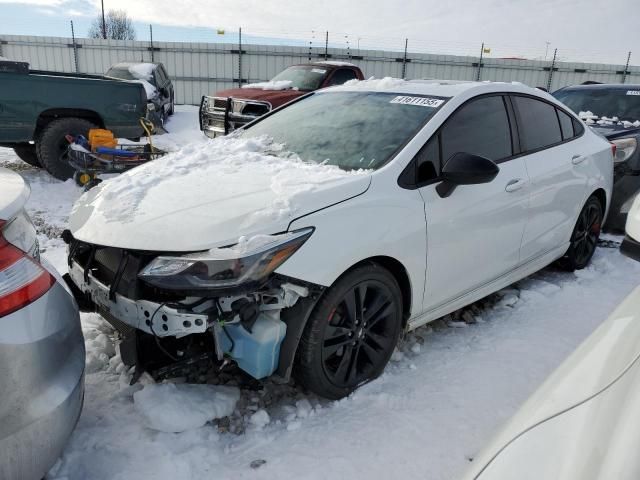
<point>448,387</point>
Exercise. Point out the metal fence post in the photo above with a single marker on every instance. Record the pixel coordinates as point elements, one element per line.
<point>626,68</point>
<point>240,57</point>
<point>151,40</point>
<point>480,63</point>
<point>553,65</point>
<point>326,46</point>
<point>404,59</point>
<point>75,48</point>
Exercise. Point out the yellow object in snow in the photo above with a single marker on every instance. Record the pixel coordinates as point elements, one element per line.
<point>99,137</point>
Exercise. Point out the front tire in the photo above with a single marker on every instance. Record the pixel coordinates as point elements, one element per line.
<point>27,153</point>
<point>351,333</point>
<point>52,145</point>
<point>584,238</point>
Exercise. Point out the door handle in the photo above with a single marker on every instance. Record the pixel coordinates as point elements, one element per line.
<point>576,159</point>
<point>515,184</point>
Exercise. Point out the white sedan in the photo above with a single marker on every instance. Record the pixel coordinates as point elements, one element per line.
<point>309,240</point>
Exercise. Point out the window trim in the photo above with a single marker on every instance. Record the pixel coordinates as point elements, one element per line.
<point>407,178</point>
<point>557,107</point>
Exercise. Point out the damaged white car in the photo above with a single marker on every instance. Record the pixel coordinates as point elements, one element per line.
<point>308,241</point>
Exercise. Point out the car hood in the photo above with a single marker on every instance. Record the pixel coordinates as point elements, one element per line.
<point>274,97</point>
<point>208,196</point>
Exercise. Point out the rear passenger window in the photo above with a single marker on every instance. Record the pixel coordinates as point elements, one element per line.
<point>539,126</point>
<point>566,125</point>
<point>480,127</point>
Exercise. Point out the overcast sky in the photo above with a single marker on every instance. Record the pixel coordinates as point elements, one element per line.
<point>578,28</point>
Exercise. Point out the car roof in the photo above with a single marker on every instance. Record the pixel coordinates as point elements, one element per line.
<point>438,88</point>
<point>129,64</point>
<point>604,86</point>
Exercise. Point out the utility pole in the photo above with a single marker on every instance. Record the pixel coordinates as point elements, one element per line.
<point>104,23</point>
<point>75,47</point>
<point>404,59</point>
<point>626,68</point>
<point>326,46</point>
<point>480,63</point>
<point>546,50</point>
<point>553,65</point>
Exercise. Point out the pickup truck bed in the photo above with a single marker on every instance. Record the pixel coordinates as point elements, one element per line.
<point>38,108</point>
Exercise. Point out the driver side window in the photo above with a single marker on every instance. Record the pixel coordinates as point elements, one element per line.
<point>341,76</point>
<point>480,127</point>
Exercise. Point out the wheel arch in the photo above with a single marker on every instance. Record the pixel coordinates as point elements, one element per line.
<point>601,195</point>
<point>47,116</point>
<point>297,316</point>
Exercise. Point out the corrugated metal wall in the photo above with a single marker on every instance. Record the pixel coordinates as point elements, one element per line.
<point>204,68</point>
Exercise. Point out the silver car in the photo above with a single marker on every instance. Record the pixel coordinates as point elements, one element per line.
<point>42,352</point>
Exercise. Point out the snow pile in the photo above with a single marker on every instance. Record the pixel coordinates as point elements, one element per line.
<point>272,85</point>
<point>375,83</point>
<point>143,72</point>
<point>176,408</point>
<point>228,159</point>
<point>591,119</point>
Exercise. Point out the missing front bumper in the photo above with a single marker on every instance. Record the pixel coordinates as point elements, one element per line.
<point>157,319</point>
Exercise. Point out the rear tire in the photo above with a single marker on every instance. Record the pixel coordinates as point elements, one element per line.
<point>52,145</point>
<point>351,333</point>
<point>27,153</point>
<point>584,238</point>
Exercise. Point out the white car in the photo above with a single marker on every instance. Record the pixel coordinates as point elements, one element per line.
<point>313,237</point>
<point>582,423</point>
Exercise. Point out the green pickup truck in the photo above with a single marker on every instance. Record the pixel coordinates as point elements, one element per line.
<point>38,108</point>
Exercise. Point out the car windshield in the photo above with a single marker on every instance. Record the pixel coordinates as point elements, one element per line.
<point>349,129</point>
<point>615,102</point>
<point>303,77</point>
<point>122,73</point>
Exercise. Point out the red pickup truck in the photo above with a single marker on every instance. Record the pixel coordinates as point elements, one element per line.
<point>235,107</point>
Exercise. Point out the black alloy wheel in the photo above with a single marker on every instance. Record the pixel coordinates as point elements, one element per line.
<point>351,333</point>
<point>584,238</point>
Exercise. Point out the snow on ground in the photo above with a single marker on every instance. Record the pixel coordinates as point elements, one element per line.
<point>447,388</point>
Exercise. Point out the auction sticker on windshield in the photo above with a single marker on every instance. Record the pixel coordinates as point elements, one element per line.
<point>419,101</point>
<point>633,92</point>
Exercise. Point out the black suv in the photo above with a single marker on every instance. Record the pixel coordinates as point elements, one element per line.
<point>161,94</point>
<point>613,110</point>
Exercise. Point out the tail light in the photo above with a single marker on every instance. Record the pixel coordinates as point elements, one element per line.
<point>614,148</point>
<point>22,279</point>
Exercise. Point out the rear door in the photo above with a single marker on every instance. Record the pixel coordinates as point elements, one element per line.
<point>474,235</point>
<point>555,157</point>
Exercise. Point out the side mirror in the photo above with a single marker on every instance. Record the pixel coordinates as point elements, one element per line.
<point>465,169</point>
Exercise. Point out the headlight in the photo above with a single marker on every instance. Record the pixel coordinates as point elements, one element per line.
<point>249,261</point>
<point>625,147</point>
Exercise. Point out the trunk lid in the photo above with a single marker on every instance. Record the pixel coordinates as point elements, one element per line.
<point>13,194</point>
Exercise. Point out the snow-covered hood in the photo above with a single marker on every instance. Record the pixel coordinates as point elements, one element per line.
<point>208,195</point>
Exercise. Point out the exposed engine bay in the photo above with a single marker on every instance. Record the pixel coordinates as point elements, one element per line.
<point>160,327</point>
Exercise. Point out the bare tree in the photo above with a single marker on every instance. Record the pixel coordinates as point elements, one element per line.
<point>117,26</point>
